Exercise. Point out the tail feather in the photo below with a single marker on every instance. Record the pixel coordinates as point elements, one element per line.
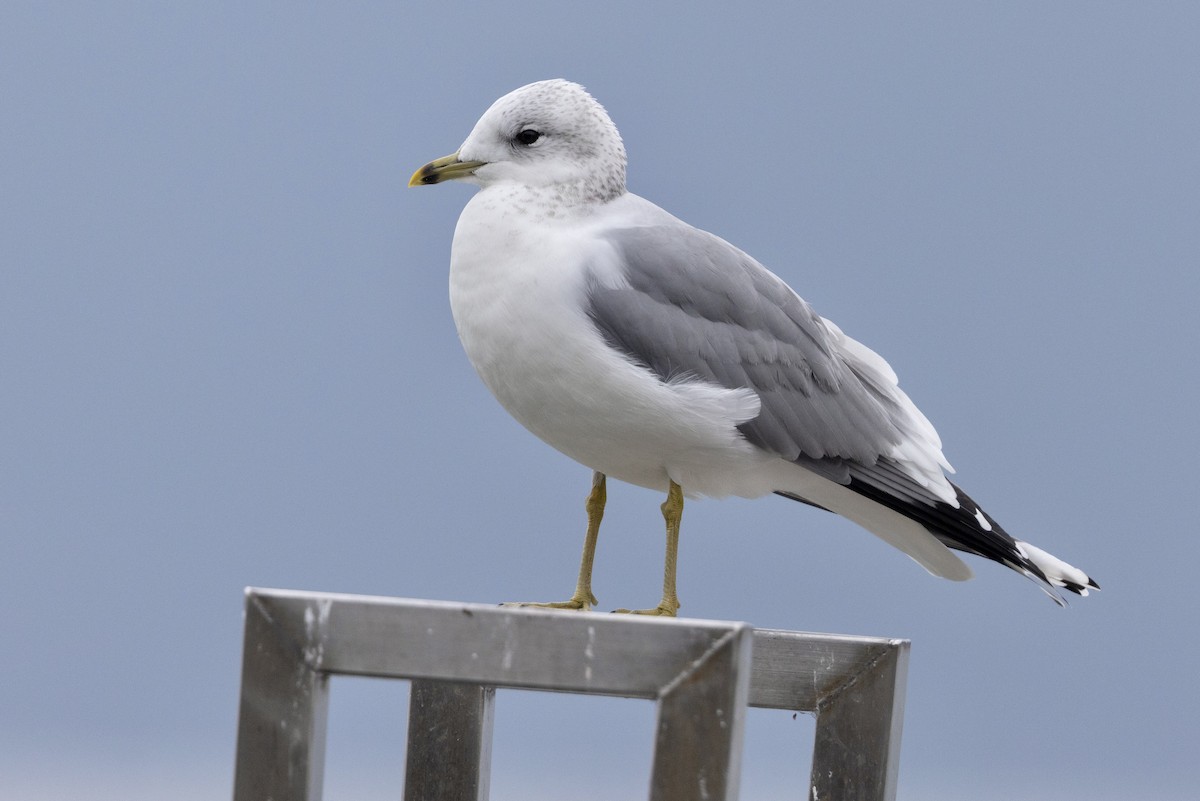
<point>961,525</point>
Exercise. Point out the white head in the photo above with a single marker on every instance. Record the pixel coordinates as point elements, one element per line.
<point>549,134</point>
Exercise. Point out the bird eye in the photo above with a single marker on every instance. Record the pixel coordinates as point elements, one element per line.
<point>528,136</point>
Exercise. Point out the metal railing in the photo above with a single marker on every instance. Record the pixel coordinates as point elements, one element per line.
<point>703,674</point>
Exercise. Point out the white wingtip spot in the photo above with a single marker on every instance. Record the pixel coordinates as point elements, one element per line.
<point>1059,572</point>
<point>983,521</point>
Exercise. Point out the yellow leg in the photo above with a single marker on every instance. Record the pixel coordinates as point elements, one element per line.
<point>672,510</point>
<point>583,599</point>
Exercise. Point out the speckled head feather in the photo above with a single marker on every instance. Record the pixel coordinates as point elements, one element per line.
<point>550,134</point>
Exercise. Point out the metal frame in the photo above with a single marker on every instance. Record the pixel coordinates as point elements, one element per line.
<point>702,674</point>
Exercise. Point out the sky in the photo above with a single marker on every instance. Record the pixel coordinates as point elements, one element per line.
<point>227,360</point>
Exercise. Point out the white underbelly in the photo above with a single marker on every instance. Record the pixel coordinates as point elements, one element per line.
<point>528,336</point>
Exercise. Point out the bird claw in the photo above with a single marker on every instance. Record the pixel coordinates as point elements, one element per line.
<point>575,604</point>
<point>662,610</point>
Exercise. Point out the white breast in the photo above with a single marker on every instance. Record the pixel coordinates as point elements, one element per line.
<point>524,326</point>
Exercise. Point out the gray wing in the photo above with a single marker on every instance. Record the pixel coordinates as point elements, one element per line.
<point>692,305</point>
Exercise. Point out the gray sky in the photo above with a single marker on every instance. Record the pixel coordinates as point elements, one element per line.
<point>227,359</point>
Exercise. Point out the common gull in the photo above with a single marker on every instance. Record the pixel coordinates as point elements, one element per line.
<point>661,355</point>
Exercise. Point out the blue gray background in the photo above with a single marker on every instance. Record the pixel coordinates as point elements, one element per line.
<point>227,359</point>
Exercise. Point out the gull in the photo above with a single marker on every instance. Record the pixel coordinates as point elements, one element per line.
<point>663,356</point>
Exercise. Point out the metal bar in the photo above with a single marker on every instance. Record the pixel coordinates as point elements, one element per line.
<point>701,720</point>
<point>282,717</point>
<point>796,669</point>
<point>856,755</point>
<point>449,741</point>
<point>534,649</point>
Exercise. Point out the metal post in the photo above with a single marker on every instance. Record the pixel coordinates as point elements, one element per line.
<point>856,756</point>
<point>284,701</point>
<point>701,720</point>
<point>449,741</point>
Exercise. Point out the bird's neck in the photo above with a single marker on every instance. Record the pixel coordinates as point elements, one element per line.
<point>560,199</point>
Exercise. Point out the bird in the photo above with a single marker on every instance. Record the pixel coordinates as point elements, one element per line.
<point>660,355</point>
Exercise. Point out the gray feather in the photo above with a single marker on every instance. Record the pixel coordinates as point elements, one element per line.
<point>693,305</point>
